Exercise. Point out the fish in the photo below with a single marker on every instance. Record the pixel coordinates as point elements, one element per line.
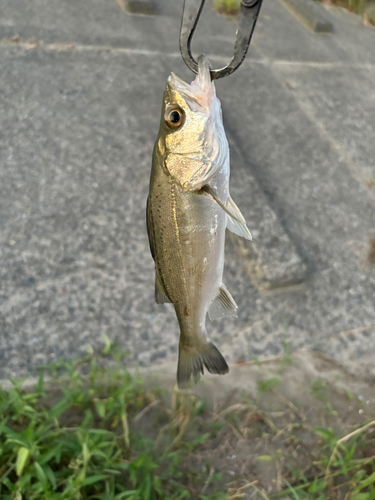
<point>188,210</point>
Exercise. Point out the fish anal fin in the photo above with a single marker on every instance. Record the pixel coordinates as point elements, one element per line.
<point>223,305</point>
<point>160,293</point>
<point>236,222</point>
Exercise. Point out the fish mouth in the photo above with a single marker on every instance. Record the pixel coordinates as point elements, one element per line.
<point>200,90</point>
<point>176,84</point>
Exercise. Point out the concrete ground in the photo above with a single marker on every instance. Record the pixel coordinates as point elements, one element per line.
<point>80,96</point>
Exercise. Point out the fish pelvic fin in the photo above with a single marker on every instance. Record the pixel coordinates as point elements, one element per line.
<point>161,296</point>
<point>191,363</point>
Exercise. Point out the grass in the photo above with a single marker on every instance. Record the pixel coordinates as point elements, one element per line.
<point>369,18</point>
<point>356,6</point>
<point>92,432</point>
<point>364,8</point>
<point>229,8</point>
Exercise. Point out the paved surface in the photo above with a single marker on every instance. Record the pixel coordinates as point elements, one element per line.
<point>80,97</point>
<point>310,14</point>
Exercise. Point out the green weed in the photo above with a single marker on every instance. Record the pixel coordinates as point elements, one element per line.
<point>99,433</point>
<point>79,441</point>
<point>356,6</point>
<point>229,8</point>
<point>268,384</point>
<point>369,18</point>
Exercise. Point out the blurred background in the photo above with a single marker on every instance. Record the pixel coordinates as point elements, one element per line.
<point>81,87</point>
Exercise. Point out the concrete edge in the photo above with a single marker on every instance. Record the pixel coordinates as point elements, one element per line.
<point>138,7</point>
<point>271,258</point>
<point>241,376</point>
<point>309,14</point>
<point>251,258</point>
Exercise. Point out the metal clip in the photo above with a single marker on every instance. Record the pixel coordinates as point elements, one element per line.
<point>248,17</point>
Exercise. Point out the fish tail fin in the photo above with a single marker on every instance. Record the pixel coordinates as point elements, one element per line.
<point>191,362</point>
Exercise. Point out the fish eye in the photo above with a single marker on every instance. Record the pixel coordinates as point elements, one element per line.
<point>174,118</point>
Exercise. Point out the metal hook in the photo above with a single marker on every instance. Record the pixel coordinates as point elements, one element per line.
<point>248,17</point>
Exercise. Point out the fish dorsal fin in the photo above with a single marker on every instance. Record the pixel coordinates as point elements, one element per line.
<point>160,293</point>
<point>236,222</point>
<point>223,305</point>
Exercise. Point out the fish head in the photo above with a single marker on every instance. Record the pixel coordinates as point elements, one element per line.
<point>191,137</point>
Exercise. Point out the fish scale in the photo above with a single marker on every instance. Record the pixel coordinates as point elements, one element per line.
<point>188,211</point>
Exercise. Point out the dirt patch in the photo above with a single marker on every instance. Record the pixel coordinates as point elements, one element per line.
<point>278,424</point>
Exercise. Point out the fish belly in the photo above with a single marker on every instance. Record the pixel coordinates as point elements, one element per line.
<point>189,232</point>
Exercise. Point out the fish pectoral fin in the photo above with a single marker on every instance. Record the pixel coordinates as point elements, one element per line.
<point>223,305</point>
<point>236,222</point>
<point>160,293</point>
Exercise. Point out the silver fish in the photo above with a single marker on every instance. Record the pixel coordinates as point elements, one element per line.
<point>188,210</point>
